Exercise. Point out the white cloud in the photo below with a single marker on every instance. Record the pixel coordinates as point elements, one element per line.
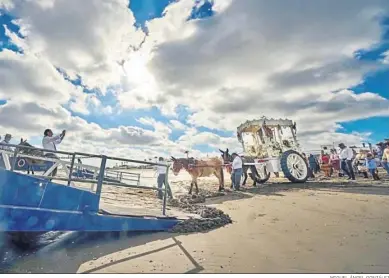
<point>88,37</point>
<point>29,120</point>
<point>178,125</point>
<point>86,103</point>
<point>264,58</point>
<point>193,138</point>
<point>26,77</point>
<point>386,57</point>
<point>159,127</point>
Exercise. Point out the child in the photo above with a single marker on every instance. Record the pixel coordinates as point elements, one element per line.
<point>371,165</point>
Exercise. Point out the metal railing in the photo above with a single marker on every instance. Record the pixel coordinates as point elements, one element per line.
<point>99,175</point>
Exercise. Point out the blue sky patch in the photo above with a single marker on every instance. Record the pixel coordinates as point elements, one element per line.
<point>203,9</point>
<point>145,10</point>
<point>5,41</point>
<point>203,148</point>
<point>379,126</point>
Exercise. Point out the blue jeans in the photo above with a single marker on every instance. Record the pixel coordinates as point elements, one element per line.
<point>236,177</point>
<point>161,182</point>
<point>346,166</point>
<point>386,166</point>
<point>311,169</point>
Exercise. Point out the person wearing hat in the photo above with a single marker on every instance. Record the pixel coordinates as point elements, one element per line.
<point>237,165</point>
<point>5,142</point>
<point>346,157</point>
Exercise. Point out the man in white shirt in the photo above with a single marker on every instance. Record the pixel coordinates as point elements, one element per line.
<point>49,142</point>
<point>237,170</point>
<point>346,157</point>
<point>161,171</point>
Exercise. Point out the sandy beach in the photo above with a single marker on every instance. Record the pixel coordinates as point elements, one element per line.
<point>320,226</point>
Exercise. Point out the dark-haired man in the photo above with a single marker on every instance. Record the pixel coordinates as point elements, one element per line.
<point>346,157</point>
<point>49,142</point>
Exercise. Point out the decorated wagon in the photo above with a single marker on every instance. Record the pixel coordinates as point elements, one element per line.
<point>273,147</point>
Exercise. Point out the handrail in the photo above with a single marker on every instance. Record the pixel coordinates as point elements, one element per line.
<point>85,154</point>
<point>102,171</point>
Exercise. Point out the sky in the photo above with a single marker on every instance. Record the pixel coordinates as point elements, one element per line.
<point>144,78</point>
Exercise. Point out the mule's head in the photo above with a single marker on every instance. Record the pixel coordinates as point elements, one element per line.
<point>177,165</point>
<point>24,143</point>
<point>226,156</point>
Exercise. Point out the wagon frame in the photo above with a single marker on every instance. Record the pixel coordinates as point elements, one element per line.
<point>272,151</point>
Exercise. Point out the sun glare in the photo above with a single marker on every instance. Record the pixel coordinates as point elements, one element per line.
<point>136,70</point>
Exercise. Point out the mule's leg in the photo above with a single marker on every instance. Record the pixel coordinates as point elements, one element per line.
<point>197,188</point>
<point>190,189</point>
<point>245,176</point>
<point>28,170</point>
<point>220,178</point>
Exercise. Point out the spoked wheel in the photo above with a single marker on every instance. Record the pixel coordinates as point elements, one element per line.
<point>264,175</point>
<point>294,166</point>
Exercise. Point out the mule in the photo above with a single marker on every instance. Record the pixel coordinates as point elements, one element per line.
<point>32,152</point>
<point>254,175</point>
<point>199,168</point>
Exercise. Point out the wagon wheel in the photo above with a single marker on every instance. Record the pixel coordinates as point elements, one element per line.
<point>263,174</point>
<point>294,166</point>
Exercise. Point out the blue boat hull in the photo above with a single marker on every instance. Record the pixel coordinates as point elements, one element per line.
<point>30,204</point>
<point>15,219</point>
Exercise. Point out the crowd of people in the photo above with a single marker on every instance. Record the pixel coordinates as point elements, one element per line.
<point>347,162</point>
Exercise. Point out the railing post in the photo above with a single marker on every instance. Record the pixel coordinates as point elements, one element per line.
<point>101,175</point>
<point>71,168</point>
<point>14,160</point>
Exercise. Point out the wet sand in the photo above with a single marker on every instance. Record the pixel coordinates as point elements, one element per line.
<point>321,226</point>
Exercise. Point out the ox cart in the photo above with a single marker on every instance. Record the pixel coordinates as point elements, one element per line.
<point>271,145</point>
